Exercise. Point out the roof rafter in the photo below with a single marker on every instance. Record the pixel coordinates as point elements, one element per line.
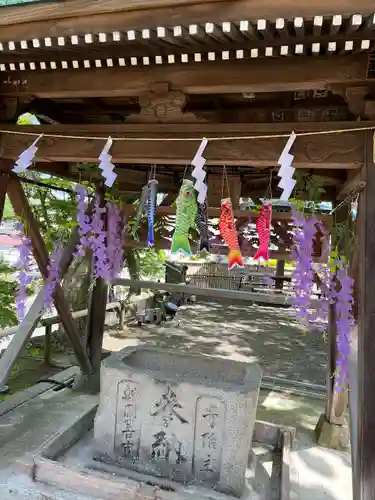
<point>83,16</point>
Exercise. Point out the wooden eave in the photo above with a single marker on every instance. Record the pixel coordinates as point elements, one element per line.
<point>157,44</point>
<point>84,16</point>
<point>183,68</point>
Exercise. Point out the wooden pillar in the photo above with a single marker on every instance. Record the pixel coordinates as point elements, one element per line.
<point>280,269</point>
<point>47,344</point>
<point>96,318</point>
<point>332,428</point>
<point>364,470</point>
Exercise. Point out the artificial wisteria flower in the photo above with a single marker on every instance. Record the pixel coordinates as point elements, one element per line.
<point>106,245</point>
<point>303,275</point>
<point>115,251</point>
<point>336,286</point>
<point>325,275</point>
<point>97,243</point>
<point>23,276</point>
<point>344,323</point>
<point>53,277</point>
<point>84,226</point>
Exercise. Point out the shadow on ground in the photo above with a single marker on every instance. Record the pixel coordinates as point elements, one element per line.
<point>269,335</point>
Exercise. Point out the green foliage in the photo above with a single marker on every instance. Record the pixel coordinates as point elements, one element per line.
<point>55,210</point>
<point>8,212</point>
<point>308,191</point>
<point>8,287</point>
<point>151,263</point>
<point>273,263</point>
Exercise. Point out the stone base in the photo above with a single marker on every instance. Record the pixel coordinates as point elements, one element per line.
<point>332,436</point>
<point>179,416</point>
<point>87,384</point>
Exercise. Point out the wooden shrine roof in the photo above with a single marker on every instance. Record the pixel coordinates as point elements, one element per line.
<point>182,69</point>
<point>79,17</point>
<point>147,45</point>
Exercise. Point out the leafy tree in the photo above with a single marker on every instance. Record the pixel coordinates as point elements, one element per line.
<point>8,213</point>
<point>8,287</point>
<point>55,211</point>
<point>152,263</point>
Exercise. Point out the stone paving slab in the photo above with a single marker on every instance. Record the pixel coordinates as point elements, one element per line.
<point>317,473</point>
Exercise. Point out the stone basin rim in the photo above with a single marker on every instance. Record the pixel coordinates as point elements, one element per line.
<point>117,361</point>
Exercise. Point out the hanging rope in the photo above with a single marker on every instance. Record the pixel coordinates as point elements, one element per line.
<point>268,193</point>
<point>189,139</point>
<point>224,183</point>
<point>152,174</point>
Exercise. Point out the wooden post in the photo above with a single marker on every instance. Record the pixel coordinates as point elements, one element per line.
<point>47,344</point>
<point>22,209</point>
<point>332,429</point>
<point>122,314</point>
<point>280,269</point>
<point>96,317</point>
<point>364,463</point>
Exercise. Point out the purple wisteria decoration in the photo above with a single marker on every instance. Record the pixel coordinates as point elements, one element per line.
<point>336,286</point>
<point>344,323</point>
<point>84,226</point>
<point>105,243</point>
<point>325,275</point>
<point>115,251</point>
<point>23,276</point>
<point>303,276</point>
<point>53,277</point>
<point>98,243</point>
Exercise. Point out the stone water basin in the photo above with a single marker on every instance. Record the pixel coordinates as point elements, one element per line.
<point>184,417</point>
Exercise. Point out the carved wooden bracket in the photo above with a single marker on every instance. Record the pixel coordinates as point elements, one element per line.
<point>357,98</point>
<point>162,105</point>
<point>8,108</point>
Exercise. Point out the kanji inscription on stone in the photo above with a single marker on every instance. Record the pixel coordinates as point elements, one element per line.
<point>127,433</point>
<point>168,408</point>
<point>209,435</point>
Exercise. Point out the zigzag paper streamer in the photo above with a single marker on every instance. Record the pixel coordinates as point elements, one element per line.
<point>106,165</point>
<point>26,158</point>
<point>286,171</point>
<point>199,173</point>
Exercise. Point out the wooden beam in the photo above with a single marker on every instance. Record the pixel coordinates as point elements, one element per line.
<point>354,183</point>
<point>258,75</point>
<point>207,292</point>
<point>238,214</point>
<point>19,340</point>
<point>28,325</point>
<point>341,151</point>
<point>80,16</point>
<point>164,244</point>
<point>23,210</point>
<point>364,471</point>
